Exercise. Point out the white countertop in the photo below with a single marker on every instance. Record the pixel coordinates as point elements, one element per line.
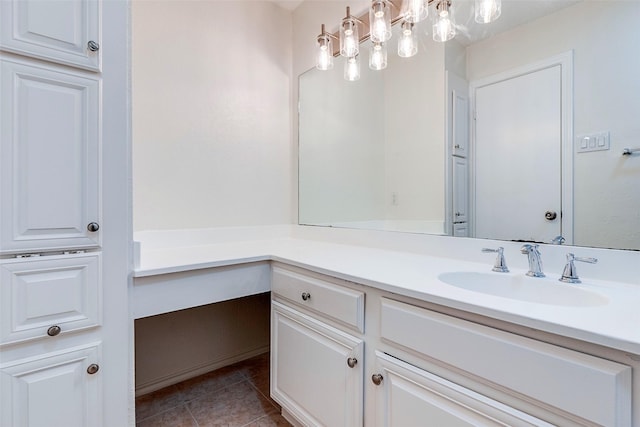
<point>615,324</point>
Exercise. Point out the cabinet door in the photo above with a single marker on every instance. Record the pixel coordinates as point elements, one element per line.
<point>408,396</point>
<point>49,157</point>
<point>460,190</point>
<point>54,30</point>
<point>311,374</point>
<point>52,390</point>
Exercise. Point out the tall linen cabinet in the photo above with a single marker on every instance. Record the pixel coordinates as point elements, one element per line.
<point>65,335</point>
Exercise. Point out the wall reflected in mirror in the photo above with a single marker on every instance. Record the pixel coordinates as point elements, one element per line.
<point>380,153</point>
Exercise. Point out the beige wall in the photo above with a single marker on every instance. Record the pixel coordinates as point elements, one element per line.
<point>211,114</point>
<point>175,346</point>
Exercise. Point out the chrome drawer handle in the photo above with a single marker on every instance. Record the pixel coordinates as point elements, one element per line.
<point>93,227</point>
<point>93,368</point>
<point>352,362</point>
<point>306,296</point>
<point>93,46</point>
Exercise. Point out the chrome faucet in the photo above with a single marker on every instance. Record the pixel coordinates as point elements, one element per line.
<point>570,275</point>
<point>500,265</point>
<point>535,260</point>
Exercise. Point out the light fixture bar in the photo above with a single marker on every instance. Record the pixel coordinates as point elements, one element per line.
<point>363,20</point>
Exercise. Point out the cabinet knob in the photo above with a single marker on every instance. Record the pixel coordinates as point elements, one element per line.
<point>377,379</point>
<point>352,362</point>
<point>93,368</point>
<point>53,330</point>
<point>93,227</point>
<point>306,296</point>
<point>93,46</point>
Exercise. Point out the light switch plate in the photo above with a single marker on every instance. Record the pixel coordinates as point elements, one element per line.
<point>593,142</point>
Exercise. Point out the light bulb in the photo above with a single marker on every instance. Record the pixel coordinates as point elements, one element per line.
<point>415,10</point>
<point>349,39</point>
<point>380,19</point>
<point>352,69</point>
<point>408,43</point>
<point>324,60</point>
<point>487,10</point>
<point>444,27</point>
<point>378,56</point>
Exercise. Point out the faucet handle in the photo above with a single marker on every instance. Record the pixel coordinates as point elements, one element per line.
<point>569,274</point>
<point>500,264</point>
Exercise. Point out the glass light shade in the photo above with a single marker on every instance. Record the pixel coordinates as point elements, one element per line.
<point>380,21</point>
<point>415,10</point>
<point>324,60</point>
<point>444,27</point>
<point>378,56</point>
<point>352,69</point>
<point>487,10</point>
<point>408,42</point>
<point>349,38</point>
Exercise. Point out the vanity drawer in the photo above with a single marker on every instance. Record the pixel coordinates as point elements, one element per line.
<point>589,387</point>
<point>40,295</point>
<point>339,303</point>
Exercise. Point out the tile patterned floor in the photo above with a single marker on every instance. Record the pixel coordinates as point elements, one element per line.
<point>234,396</point>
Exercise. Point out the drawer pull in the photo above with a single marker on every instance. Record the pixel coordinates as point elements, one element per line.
<point>93,368</point>
<point>53,330</point>
<point>306,296</point>
<point>93,227</point>
<point>352,362</point>
<point>377,379</point>
<point>93,46</point>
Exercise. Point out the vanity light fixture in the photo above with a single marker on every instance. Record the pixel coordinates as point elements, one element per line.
<point>324,59</point>
<point>378,56</point>
<point>444,27</point>
<point>377,26</point>
<point>487,10</point>
<point>352,69</point>
<point>380,21</point>
<point>408,43</point>
<point>415,10</point>
<point>349,38</point>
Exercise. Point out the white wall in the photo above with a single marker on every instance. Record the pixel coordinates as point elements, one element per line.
<point>211,114</point>
<point>414,133</point>
<point>342,160</point>
<point>604,37</point>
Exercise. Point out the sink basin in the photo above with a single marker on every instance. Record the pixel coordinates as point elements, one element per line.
<point>523,288</point>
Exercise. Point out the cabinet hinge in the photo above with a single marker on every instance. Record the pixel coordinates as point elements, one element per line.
<point>43,254</point>
<point>27,255</point>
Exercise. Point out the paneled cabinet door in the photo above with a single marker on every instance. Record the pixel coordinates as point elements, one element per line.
<point>49,157</point>
<point>67,32</point>
<point>59,389</point>
<point>316,370</point>
<point>408,396</point>
<point>460,190</point>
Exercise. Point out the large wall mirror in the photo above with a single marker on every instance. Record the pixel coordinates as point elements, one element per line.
<point>514,130</point>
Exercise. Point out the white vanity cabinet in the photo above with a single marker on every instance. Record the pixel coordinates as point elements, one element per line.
<point>554,384</point>
<point>63,171</point>
<point>317,365</point>
<point>67,32</point>
<point>428,368</point>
